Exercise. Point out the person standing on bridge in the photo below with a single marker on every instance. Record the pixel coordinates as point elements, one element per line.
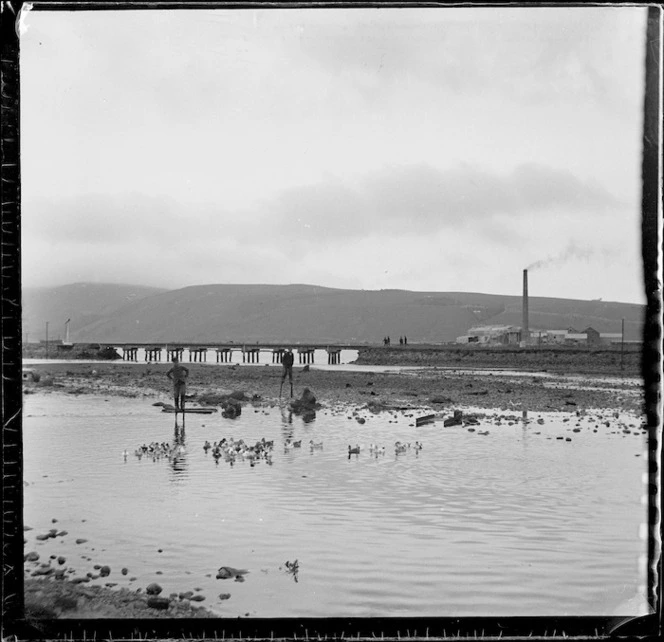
<point>178,374</point>
<point>287,362</point>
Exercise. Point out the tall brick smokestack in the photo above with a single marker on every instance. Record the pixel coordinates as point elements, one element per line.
<point>525,332</point>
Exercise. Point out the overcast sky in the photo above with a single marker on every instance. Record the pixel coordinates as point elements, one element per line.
<point>424,149</point>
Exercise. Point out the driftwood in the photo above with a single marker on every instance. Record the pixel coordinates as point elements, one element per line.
<point>189,411</point>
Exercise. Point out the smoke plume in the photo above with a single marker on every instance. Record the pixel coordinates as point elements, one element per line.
<point>571,253</point>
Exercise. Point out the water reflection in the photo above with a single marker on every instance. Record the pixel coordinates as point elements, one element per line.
<point>286,416</point>
<point>308,416</point>
<point>178,460</point>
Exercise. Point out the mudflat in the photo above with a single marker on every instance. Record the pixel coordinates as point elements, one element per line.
<point>438,387</point>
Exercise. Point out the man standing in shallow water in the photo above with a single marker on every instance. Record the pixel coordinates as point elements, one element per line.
<point>178,375</point>
<point>287,362</point>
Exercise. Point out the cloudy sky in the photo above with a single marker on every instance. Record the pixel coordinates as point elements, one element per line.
<point>439,149</point>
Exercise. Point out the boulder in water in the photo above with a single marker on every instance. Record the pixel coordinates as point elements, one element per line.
<point>232,408</point>
<point>306,403</point>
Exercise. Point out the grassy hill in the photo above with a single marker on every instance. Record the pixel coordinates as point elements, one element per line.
<point>83,303</point>
<point>302,313</point>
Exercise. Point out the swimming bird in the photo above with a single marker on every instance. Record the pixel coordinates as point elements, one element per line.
<point>353,451</point>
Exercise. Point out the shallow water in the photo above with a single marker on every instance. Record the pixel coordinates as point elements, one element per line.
<point>516,522</point>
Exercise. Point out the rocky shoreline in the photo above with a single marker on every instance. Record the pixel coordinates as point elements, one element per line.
<point>437,387</point>
<point>48,599</point>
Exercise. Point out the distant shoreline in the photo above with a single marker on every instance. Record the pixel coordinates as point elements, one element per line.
<point>605,360</point>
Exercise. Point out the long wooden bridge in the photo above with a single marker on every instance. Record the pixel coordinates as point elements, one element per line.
<point>224,352</point>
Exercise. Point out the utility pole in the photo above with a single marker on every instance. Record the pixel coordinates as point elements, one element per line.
<point>622,347</point>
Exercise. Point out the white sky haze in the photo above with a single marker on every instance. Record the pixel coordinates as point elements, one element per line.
<point>437,149</point>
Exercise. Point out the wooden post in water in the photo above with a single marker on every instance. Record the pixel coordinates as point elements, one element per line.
<point>47,339</point>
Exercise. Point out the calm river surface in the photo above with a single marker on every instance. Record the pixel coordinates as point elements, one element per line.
<point>516,522</point>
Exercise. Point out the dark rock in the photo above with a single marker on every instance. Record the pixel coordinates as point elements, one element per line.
<point>31,557</point>
<point>81,540</point>
<point>186,595</point>
<point>441,400</point>
<point>43,570</point>
<point>105,571</point>
<point>43,538</point>
<point>226,572</point>
<point>456,420</point>
<point>232,408</point>
<point>224,596</point>
<point>96,567</point>
<point>124,571</point>
<point>153,589</point>
<point>161,603</point>
<point>305,369</point>
<point>61,560</point>
<point>61,533</point>
<point>80,580</point>
<point>306,403</point>
<point>197,598</point>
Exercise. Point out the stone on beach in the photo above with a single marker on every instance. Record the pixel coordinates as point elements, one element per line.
<point>158,602</point>
<point>153,589</point>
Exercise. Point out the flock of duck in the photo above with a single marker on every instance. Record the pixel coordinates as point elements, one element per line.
<point>157,450</point>
<point>232,450</point>
<point>400,447</point>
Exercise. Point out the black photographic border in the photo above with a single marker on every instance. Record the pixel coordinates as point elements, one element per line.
<point>13,622</point>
